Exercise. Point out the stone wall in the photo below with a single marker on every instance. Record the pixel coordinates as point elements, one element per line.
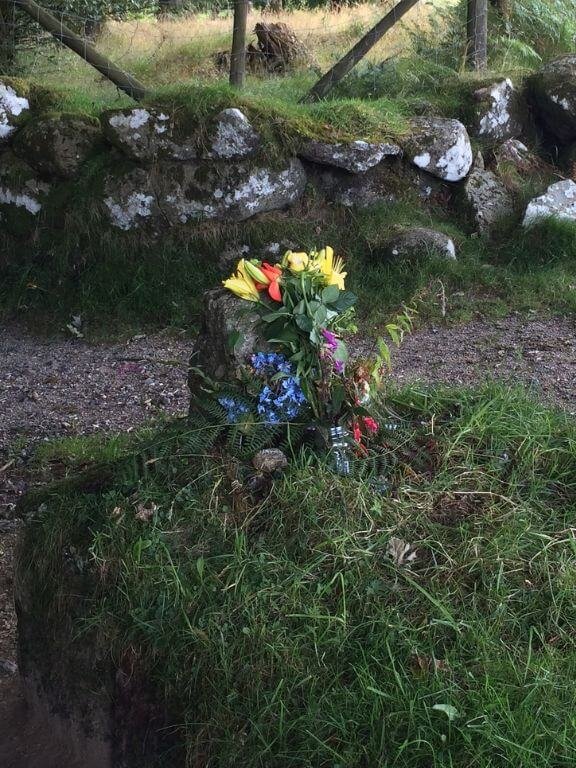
<point>145,169</point>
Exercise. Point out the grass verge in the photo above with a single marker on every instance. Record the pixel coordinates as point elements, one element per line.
<point>282,632</point>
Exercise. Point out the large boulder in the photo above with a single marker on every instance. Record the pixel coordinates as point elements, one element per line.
<point>440,146</point>
<point>228,337</point>
<point>22,194</point>
<point>13,104</point>
<point>558,202</point>
<point>57,146</point>
<point>553,90</point>
<point>177,193</point>
<point>146,135</point>
<point>352,156</point>
<point>233,136</point>
<point>413,242</point>
<point>499,111</point>
<point>488,200</point>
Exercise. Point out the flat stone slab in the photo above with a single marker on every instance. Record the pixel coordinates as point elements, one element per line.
<point>353,156</point>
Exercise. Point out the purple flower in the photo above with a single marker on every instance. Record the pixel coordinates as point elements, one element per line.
<point>330,340</point>
<point>339,366</point>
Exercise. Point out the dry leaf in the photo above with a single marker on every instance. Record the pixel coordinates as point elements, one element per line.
<point>400,551</point>
<point>145,512</point>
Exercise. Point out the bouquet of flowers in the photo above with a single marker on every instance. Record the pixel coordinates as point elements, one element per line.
<point>305,312</point>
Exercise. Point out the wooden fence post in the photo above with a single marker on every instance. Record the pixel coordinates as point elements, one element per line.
<point>358,52</point>
<point>477,33</point>
<point>238,55</point>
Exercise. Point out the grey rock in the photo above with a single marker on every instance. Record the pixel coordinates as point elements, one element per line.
<point>178,193</point>
<point>353,156</point>
<point>20,187</point>
<point>13,105</point>
<point>553,90</point>
<point>440,146</point>
<point>418,241</point>
<point>57,146</point>
<point>231,192</point>
<point>488,200</point>
<point>224,315</point>
<point>145,135</point>
<point>234,137</point>
<point>558,202</point>
<point>500,112</point>
<point>8,667</point>
<point>387,182</point>
<point>270,460</point>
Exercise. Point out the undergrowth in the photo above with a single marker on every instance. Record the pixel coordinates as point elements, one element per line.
<point>123,284</point>
<point>285,629</point>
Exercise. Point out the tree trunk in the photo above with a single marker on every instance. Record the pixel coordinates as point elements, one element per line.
<point>7,36</point>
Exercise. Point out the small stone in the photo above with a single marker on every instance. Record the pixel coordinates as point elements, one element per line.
<point>353,156</point>
<point>270,460</point>
<point>420,241</point>
<point>440,146</point>
<point>8,667</point>
<point>558,202</point>
<point>234,137</point>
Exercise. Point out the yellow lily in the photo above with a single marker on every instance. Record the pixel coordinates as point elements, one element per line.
<point>256,273</point>
<point>332,268</point>
<point>297,262</point>
<point>241,284</point>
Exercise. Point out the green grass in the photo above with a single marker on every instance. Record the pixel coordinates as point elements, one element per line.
<point>278,631</point>
<point>125,284</point>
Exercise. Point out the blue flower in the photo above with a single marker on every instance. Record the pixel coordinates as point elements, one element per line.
<point>234,409</point>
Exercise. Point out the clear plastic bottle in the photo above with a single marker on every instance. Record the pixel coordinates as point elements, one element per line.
<point>339,447</point>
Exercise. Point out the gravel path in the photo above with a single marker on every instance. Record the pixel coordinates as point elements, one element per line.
<point>55,387</point>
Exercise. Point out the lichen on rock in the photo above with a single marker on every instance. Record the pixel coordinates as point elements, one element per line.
<point>440,146</point>
<point>234,136</point>
<point>353,156</point>
<point>500,113</point>
<point>12,105</point>
<point>558,202</point>
<point>147,134</point>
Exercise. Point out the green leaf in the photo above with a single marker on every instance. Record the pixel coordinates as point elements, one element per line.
<point>320,315</point>
<point>233,339</point>
<point>330,294</point>
<point>304,322</point>
<point>450,711</point>
<point>272,316</point>
<point>345,300</point>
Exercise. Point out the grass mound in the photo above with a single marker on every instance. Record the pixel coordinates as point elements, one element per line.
<point>292,628</point>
